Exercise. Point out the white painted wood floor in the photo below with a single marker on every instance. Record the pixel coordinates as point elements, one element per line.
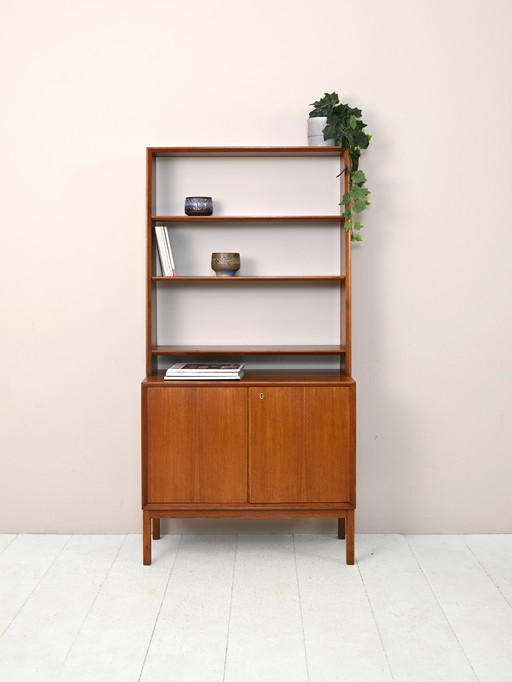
<point>282,608</point>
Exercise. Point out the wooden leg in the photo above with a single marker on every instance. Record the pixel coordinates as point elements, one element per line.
<point>146,538</point>
<point>156,529</point>
<point>350,536</point>
<point>341,529</point>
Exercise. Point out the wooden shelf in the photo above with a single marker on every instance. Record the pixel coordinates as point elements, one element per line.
<point>269,278</point>
<point>264,378</point>
<point>244,151</point>
<point>249,350</point>
<point>246,218</point>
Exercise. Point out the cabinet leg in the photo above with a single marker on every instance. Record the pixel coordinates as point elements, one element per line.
<point>350,536</point>
<point>146,538</point>
<point>156,529</point>
<point>341,529</point>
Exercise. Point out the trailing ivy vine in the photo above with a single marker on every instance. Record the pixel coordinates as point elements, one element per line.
<point>345,126</point>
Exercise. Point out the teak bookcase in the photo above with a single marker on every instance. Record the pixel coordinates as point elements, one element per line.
<point>280,443</point>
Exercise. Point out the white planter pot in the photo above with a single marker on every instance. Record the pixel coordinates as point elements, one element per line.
<point>315,132</point>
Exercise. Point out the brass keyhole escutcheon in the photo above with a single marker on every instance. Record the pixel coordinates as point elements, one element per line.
<point>261,396</point>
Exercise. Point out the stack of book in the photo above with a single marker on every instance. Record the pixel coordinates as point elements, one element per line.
<point>200,371</point>
<point>165,251</point>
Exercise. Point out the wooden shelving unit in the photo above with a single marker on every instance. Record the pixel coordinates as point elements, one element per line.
<point>278,443</point>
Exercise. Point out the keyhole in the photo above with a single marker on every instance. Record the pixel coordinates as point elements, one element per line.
<point>261,396</point>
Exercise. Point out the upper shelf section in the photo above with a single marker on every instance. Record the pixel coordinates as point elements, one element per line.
<point>248,184</point>
<point>244,151</point>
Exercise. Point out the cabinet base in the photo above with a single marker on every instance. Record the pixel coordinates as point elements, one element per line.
<point>151,522</point>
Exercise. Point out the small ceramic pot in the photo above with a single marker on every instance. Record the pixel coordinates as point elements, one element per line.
<point>225,264</point>
<point>316,126</point>
<point>198,205</point>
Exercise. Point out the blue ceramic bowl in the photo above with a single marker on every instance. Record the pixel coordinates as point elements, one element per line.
<point>198,205</point>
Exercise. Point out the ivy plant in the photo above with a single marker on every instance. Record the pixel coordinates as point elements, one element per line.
<point>345,126</point>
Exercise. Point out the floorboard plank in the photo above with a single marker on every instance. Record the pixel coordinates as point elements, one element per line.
<point>115,635</point>
<point>5,541</point>
<point>342,640</point>
<point>419,642</point>
<point>494,554</point>
<point>38,640</point>
<point>189,640</point>
<point>477,612</point>
<point>23,564</point>
<point>266,641</point>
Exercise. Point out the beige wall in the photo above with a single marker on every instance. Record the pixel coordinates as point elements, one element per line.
<point>88,85</point>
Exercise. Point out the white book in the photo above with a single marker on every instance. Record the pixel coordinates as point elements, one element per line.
<point>222,375</point>
<point>207,377</point>
<point>168,243</point>
<point>163,232</point>
<point>162,252</point>
<point>206,367</point>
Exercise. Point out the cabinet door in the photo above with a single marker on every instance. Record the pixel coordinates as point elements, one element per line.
<point>196,444</point>
<point>301,444</point>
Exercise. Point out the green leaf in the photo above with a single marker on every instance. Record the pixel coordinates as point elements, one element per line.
<point>347,226</point>
<point>358,176</point>
<point>361,139</point>
<point>325,105</point>
<point>356,238</point>
<point>348,214</point>
<point>360,205</point>
<point>345,199</point>
<point>358,192</point>
<point>358,226</point>
<point>353,122</point>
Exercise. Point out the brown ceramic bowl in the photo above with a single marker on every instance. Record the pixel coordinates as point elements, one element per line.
<point>225,264</point>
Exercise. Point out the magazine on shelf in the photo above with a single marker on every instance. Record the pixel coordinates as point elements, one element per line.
<point>203,377</point>
<point>206,367</point>
<point>199,371</point>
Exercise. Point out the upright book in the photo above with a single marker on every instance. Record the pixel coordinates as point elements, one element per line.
<point>164,251</point>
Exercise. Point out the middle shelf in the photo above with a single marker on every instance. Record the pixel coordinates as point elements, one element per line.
<point>249,350</point>
<point>252,278</point>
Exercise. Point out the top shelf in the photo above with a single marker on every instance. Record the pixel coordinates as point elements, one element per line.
<point>244,151</point>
